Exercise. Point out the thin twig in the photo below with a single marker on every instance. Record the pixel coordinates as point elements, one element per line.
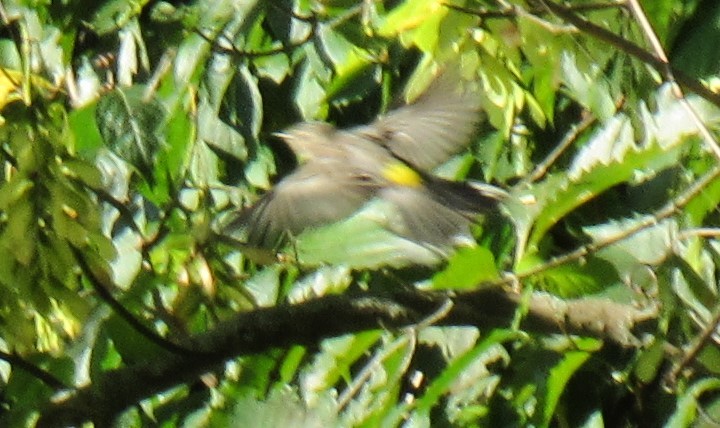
<point>116,306</point>
<point>122,209</point>
<point>373,364</point>
<point>694,350</point>
<point>699,232</point>
<point>163,67</point>
<point>542,168</point>
<point>47,378</point>
<point>237,52</point>
<point>311,20</point>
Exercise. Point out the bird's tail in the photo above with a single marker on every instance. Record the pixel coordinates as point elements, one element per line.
<point>469,198</point>
<point>440,213</point>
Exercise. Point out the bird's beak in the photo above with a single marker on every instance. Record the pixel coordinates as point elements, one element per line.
<point>282,135</point>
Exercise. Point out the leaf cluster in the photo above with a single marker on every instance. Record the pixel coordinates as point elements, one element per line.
<point>133,130</point>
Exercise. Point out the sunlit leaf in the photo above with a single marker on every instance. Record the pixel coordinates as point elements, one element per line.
<point>466,269</point>
<point>558,378</point>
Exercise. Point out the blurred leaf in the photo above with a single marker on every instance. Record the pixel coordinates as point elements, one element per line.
<point>649,362</point>
<point>468,268</point>
<point>454,371</point>
<point>323,281</point>
<point>376,389</point>
<point>591,176</point>
<point>690,53</point>
<point>292,363</point>
<point>282,408</point>
<point>128,343</point>
<point>650,246</point>
<point>130,123</point>
<point>256,374</point>
<point>710,359</point>
<point>10,81</point>
<point>265,286</point>
<point>241,105</point>
<point>689,287</point>
<point>687,408</point>
<point>409,16</point>
<point>33,392</point>
<point>558,378</point>
<point>334,360</point>
<point>353,84</point>
<point>588,276</point>
<point>114,14</point>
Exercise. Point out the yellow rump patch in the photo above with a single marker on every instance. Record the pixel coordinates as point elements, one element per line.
<point>401,174</point>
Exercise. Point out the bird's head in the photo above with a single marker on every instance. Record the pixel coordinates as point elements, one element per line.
<point>310,140</point>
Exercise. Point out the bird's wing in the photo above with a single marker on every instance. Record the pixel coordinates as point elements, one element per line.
<point>434,127</point>
<point>316,194</point>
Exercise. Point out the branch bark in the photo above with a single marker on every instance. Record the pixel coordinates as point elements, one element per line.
<point>310,322</point>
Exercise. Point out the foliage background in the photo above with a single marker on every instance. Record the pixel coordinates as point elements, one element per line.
<point>132,129</point>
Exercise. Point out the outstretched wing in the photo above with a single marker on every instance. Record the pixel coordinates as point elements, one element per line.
<point>434,127</point>
<point>316,194</point>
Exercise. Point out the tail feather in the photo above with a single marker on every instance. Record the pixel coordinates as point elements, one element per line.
<point>466,197</point>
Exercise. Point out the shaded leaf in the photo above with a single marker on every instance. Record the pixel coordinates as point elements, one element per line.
<point>130,125</point>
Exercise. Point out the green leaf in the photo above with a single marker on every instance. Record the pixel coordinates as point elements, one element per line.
<point>265,286</point>
<point>130,123</point>
<point>377,390</point>
<point>588,87</point>
<point>591,175</point>
<point>27,393</point>
<point>335,359</point>
<point>558,379</point>
<point>131,345</point>
<point>12,192</point>
<point>468,268</point>
<point>588,276</point>
<point>87,137</point>
<point>650,361</point>
<point>443,383</point>
<point>353,84</point>
<point>709,357</point>
<point>18,236</point>
<point>292,363</point>
<point>114,14</point>
<point>649,246</point>
<point>333,279</point>
<point>283,407</point>
<point>241,105</point>
<point>256,374</point>
<point>686,410</point>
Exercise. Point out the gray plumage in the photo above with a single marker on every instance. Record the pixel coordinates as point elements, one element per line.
<point>341,170</point>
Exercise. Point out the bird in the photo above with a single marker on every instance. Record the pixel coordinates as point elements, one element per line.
<point>392,158</point>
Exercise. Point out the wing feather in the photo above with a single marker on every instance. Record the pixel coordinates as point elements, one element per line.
<point>314,195</point>
<point>430,130</point>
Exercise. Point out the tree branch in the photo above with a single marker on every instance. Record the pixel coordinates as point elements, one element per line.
<point>310,322</point>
